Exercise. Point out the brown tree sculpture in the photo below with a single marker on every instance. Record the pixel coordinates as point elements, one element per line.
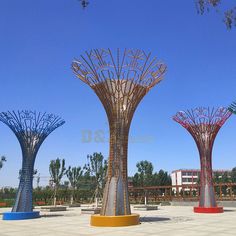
<point>120,80</point>
<point>203,124</point>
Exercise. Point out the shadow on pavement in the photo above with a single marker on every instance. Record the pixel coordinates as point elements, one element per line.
<point>153,219</point>
<point>52,215</point>
<point>227,210</point>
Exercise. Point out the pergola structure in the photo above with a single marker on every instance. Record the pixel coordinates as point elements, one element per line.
<point>203,124</point>
<point>120,80</point>
<point>31,129</point>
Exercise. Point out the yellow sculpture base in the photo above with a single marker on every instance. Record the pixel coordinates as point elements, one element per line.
<point>114,221</point>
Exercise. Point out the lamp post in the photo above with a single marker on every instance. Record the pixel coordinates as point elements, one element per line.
<point>203,124</point>
<point>120,80</point>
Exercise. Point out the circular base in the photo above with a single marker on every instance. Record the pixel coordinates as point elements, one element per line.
<point>114,221</point>
<point>208,209</point>
<point>20,215</point>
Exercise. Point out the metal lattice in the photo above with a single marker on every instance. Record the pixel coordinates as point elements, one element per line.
<point>203,124</point>
<point>120,80</point>
<point>232,107</point>
<point>31,129</point>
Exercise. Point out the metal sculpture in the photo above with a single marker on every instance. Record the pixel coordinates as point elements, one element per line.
<point>31,129</point>
<point>120,80</point>
<point>203,124</point>
<point>232,107</point>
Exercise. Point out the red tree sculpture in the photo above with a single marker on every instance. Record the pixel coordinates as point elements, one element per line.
<point>203,124</point>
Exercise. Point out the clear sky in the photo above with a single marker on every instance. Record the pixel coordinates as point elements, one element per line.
<point>39,39</point>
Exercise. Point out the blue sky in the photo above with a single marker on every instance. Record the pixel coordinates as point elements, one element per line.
<point>39,39</point>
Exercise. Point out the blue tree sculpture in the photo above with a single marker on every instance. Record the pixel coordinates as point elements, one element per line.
<point>31,129</point>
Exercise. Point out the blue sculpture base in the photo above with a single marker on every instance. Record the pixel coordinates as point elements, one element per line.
<point>20,215</point>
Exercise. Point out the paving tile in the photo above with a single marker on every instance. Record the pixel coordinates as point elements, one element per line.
<point>167,220</point>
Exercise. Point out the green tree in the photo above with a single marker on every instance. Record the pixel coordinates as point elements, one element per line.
<point>38,180</point>
<point>233,178</point>
<point>233,175</point>
<point>65,185</point>
<point>144,175</point>
<point>216,180</point>
<point>2,160</point>
<point>229,13</point>
<point>74,176</point>
<point>57,170</point>
<point>225,179</point>
<point>219,178</point>
<point>163,178</point>
<point>97,169</point>
<point>216,177</point>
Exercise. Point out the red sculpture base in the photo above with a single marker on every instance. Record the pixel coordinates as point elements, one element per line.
<point>208,209</point>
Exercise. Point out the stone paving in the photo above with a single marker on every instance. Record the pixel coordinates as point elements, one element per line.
<point>167,220</point>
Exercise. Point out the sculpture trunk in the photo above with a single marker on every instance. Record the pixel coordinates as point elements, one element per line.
<point>116,198</point>
<point>207,194</point>
<point>24,202</point>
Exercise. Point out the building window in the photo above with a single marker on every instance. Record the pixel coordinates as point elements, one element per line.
<point>187,180</point>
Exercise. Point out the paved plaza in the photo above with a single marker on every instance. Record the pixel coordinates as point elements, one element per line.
<point>167,220</point>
